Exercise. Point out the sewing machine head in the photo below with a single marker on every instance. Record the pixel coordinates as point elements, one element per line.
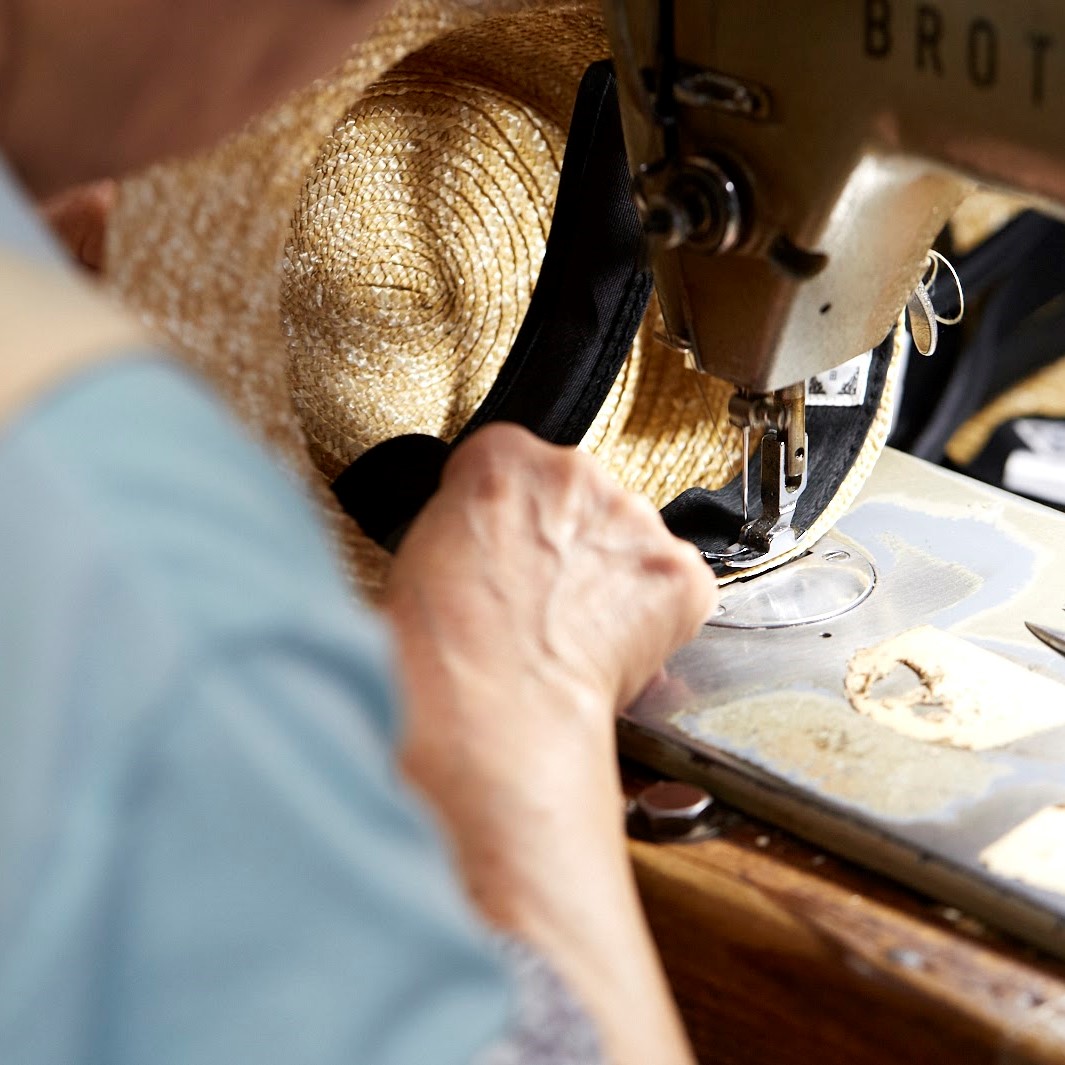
<point>793,163</point>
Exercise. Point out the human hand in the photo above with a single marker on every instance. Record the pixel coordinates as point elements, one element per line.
<point>531,599</point>
<point>530,564</point>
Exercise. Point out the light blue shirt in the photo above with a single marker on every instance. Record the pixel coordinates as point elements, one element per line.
<point>206,854</point>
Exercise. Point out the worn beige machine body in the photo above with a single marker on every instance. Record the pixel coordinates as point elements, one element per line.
<point>850,130</point>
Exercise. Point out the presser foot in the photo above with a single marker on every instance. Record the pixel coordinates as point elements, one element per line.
<point>773,533</point>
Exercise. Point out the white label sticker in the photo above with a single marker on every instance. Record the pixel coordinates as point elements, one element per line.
<point>1037,475</point>
<point>842,387</point>
<point>1042,437</point>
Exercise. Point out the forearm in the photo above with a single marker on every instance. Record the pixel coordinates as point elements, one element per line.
<point>583,912</point>
<point>540,839</point>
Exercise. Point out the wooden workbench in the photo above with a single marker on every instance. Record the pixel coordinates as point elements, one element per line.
<point>779,953</point>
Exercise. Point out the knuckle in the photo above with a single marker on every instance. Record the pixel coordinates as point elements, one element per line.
<point>671,563</point>
<point>643,510</point>
<point>681,563</point>
<point>504,435</point>
<point>503,459</point>
<point>644,525</point>
<point>568,473</point>
<point>491,440</point>
<point>572,473</point>
<point>480,466</point>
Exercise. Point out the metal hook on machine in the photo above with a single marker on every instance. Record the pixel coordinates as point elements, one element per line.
<point>923,318</point>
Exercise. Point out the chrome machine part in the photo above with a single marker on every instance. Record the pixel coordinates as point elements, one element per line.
<point>827,582</point>
<point>1053,638</point>
<point>781,416</point>
<point>773,532</point>
<point>697,203</point>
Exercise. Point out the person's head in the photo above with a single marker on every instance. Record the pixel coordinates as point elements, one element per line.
<point>92,89</point>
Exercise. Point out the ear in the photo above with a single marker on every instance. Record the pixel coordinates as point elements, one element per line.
<point>78,216</point>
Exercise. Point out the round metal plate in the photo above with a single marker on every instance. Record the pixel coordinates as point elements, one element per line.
<point>832,578</point>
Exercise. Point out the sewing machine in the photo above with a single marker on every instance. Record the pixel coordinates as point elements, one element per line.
<point>793,164</point>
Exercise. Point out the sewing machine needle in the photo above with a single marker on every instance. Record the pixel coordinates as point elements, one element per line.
<point>746,459</point>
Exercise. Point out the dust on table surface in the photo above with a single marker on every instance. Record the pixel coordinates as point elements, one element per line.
<point>822,745</point>
<point>958,694</point>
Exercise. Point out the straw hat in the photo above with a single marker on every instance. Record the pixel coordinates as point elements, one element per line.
<point>356,264</point>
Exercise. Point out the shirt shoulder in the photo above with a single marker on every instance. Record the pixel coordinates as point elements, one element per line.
<point>198,728</point>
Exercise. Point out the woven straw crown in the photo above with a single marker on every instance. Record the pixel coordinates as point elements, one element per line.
<point>356,264</point>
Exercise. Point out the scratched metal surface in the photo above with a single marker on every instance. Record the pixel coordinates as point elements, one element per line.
<point>761,716</point>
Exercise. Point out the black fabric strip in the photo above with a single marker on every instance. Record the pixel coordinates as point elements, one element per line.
<point>592,290</point>
<point>712,520</point>
<point>386,487</point>
<point>588,302</point>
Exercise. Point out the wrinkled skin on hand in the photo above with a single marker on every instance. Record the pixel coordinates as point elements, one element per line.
<point>532,565</point>
<point>532,599</point>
